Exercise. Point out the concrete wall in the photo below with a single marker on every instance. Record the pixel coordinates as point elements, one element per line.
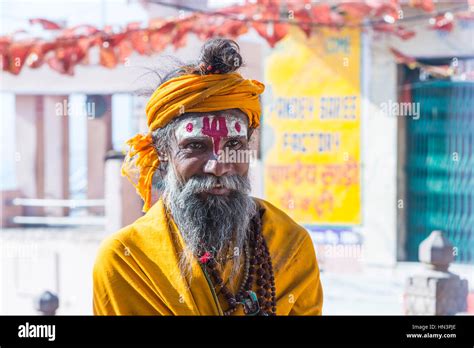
<point>383,242</point>
<point>379,149</point>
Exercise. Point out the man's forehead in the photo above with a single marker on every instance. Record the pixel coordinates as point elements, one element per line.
<point>224,123</point>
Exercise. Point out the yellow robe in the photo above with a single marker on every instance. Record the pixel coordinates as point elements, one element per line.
<point>137,273</point>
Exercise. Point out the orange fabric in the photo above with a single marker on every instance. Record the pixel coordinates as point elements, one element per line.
<point>147,162</point>
<point>185,94</point>
<point>136,270</point>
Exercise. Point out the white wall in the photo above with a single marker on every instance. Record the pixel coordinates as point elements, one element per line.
<point>379,155</point>
<point>379,130</point>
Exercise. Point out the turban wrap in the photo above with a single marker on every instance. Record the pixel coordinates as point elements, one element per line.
<point>185,94</point>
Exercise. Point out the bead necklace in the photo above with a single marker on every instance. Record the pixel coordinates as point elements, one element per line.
<point>257,266</point>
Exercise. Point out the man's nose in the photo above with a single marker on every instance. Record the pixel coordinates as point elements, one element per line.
<point>218,168</point>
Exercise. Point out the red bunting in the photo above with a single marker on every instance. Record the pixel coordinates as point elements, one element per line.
<point>396,30</point>
<point>402,58</point>
<point>36,55</point>
<point>230,28</point>
<point>16,57</point>
<point>124,51</point>
<point>425,5</point>
<point>434,70</point>
<point>271,32</point>
<point>46,24</point>
<point>161,34</point>
<point>442,22</point>
<point>269,18</point>
<point>108,57</point>
<point>180,35</point>
<point>85,30</point>
<point>355,12</point>
<point>66,58</point>
<point>4,44</point>
<point>323,15</point>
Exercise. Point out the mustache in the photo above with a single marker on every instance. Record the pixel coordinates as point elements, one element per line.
<point>201,183</point>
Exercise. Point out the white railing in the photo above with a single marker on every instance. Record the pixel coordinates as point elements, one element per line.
<point>67,203</point>
<point>59,220</point>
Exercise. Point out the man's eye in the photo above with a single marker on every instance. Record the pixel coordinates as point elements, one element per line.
<point>195,146</point>
<point>234,143</point>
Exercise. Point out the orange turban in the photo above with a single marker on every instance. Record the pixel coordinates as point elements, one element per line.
<point>184,94</point>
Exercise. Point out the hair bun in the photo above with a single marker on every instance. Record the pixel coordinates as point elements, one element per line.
<point>220,56</point>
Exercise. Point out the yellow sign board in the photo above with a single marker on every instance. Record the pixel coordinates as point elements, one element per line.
<point>312,122</point>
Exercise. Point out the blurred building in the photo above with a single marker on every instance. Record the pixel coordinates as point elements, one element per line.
<point>414,172</point>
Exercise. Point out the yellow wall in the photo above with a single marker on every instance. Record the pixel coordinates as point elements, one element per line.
<point>312,168</point>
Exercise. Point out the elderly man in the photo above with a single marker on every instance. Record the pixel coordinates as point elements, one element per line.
<point>205,247</point>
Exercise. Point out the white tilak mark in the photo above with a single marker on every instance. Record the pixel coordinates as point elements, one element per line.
<point>193,127</point>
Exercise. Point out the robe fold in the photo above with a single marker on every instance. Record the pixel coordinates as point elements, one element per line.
<point>137,270</point>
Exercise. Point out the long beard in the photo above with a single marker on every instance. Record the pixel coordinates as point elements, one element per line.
<point>209,221</point>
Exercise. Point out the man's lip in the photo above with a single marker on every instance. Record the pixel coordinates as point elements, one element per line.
<point>218,191</point>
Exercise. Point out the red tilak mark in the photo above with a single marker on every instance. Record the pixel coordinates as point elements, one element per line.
<point>216,130</point>
<point>237,126</point>
<point>189,127</point>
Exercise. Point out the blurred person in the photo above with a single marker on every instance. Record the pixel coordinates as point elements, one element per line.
<point>205,247</point>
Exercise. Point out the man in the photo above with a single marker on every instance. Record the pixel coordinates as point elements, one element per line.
<point>205,247</point>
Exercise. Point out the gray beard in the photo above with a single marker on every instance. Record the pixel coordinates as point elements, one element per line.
<point>210,221</point>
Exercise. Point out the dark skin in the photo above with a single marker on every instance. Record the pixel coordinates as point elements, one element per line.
<point>195,154</point>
